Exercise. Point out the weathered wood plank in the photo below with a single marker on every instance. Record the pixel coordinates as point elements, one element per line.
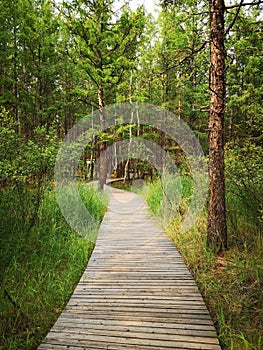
<point>147,325</point>
<point>145,331</point>
<point>130,337</point>
<point>136,292</point>
<point>89,340</point>
<point>186,320</point>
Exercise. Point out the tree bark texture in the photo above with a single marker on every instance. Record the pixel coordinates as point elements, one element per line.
<point>217,228</point>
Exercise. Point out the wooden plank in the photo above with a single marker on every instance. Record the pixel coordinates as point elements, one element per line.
<point>130,337</point>
<point>90,339</point>
<point>186,320</point>
<point>135,293</point>
<point>153,315</point>
<point>103,346</point>
<point>146,331</point>
<point>161,326</point>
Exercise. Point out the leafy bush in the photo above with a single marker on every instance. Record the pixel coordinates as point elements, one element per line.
<point>25,160</point>
<point>26,167</point>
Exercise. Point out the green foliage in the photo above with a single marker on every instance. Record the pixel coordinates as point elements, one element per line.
<point>244,80</point>
<point>103,46</point>
<point>244,178</point>
<point>23,160</point>
<point>154,195</point>
<point>231,285</point>
<point>29,62</point>
<point>169,196</point>
<point>174,66</point>
<point>39,85</point>
<point>52,65</point>
<point>39,270</point>
<point>26,166</point>
<point>94,201</point>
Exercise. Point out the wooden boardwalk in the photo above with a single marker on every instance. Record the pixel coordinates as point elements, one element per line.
<point>136,292</point>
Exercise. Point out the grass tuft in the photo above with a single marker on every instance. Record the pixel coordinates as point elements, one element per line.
<point>39,268</point>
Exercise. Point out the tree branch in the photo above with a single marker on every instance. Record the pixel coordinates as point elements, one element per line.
<point>243,4</point>
<point>194,52</point>
<point>234,19</point>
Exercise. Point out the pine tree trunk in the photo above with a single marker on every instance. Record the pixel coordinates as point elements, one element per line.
<point>103,162</point>
<point>217,228</point>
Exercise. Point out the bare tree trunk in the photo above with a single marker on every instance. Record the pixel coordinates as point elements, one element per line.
<point>127,165</point>
<point>15,79</point>
<point>103,165</point>
<point>217,228</point>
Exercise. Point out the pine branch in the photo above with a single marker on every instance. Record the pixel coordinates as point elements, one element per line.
<point>243,4</point>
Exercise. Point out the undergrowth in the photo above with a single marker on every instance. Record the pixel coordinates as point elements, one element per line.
<point>231,284</point>
<point>39,268</point>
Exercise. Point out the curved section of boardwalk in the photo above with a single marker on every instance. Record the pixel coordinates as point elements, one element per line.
<point>136,292</point>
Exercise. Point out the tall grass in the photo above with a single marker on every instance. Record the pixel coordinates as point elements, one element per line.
<point>168,197</point>
<point>231,284</point>
<point>39,268</point>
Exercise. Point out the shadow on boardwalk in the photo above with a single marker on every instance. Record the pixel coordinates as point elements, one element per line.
<point>136,292</point>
